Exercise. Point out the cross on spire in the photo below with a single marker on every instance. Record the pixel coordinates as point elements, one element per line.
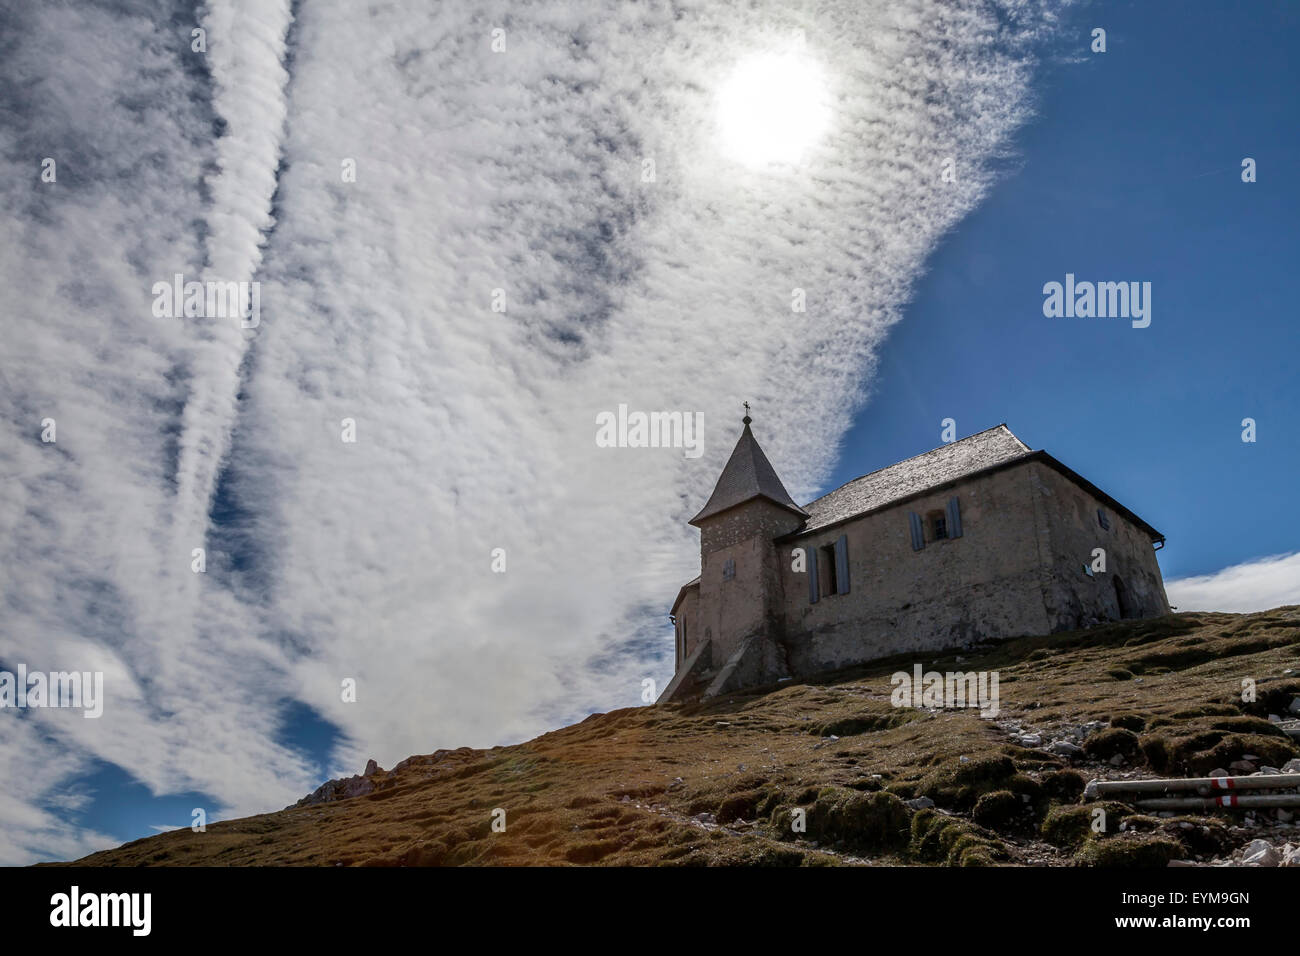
<point>746,419</point>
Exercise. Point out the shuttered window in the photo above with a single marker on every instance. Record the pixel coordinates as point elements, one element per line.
<point>814,589</point>
<point>954,519</point>
<point>918,531</point>
<point>842,564</point>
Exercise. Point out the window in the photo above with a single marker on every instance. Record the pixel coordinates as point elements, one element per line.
<point>830,584</point>
<point>938,523</point>
<point>1103,520</point>
<point>828,569</point>
<point>729,569</point>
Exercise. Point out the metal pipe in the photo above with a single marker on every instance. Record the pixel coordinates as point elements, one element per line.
<point>1257,800</point>
<point>1267,781</point>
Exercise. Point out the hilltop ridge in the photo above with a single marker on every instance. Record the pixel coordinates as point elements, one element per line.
<point>718,783</point>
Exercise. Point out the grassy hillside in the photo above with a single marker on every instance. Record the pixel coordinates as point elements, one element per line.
<point>717,783</point>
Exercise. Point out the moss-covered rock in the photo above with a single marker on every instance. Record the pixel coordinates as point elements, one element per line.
<point>1130,850</point>
<point>740,806</point>
<point>1071,826</point>
<point>1133,722</point>
<point>863,723</point>
<point>939,838</point>
<point>863,821</point>
<point>1197,752</point>
<point>1000,810</point>
<point>959,784</point>
<point>1105,744</point>
<point>1064,785</point>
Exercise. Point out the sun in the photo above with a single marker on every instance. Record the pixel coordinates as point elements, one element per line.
<point>772,108</point>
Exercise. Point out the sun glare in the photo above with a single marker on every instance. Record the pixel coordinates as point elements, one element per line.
<point>772,108</point>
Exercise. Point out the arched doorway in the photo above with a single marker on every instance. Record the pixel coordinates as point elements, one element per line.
<point>1122,598</point>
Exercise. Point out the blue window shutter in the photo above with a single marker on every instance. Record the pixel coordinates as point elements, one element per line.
<point>842,564</point>
<point>918,533</point>
<point>954,518</point>
<point>810,555</point>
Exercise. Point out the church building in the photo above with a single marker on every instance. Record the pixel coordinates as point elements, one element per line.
<point>980,539</point>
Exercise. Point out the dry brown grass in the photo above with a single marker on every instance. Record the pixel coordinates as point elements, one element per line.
<point>621,788</point>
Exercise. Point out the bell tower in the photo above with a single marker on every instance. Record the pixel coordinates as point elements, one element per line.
<point>741,600</point>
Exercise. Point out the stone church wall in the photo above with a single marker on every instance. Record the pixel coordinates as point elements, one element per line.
<point>1069,529</point>
<point>953,592</point>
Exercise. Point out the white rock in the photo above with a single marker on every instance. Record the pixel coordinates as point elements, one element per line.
<point>1031,740</point>
<point>920,803</point>
<point>1253,847</point>
<point>1292,765</point>
<point>1219,772</point>
<point>1265,857</point>
<point>1065,748</point>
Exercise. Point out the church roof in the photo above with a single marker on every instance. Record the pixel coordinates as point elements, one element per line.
<point>748,475</point>
<point>984,451</point>
<point>994,446</point>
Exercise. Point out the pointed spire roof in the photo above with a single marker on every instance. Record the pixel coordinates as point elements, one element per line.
<point>748,475</point>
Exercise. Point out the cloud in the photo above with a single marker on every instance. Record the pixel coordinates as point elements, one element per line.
<point>477,171</point>
<point>1258,585</point>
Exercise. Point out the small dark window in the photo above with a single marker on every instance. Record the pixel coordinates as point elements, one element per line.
<point>1103,520</point>
<point>830,584</point>
<point>938,525</point>
<point>729,569</point>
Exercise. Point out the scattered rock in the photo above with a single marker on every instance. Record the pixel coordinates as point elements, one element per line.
<point>1291,766</point>
<point>920,803</point>
<point>1065,748</point>
<point>1242,766</point>
<point>1260,853</point>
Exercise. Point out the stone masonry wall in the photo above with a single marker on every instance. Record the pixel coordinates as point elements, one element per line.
<point>985,584</point>
<point>1068,532</point>
<point>751,601</point>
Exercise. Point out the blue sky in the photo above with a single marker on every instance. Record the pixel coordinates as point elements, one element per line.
<point>522,169</point>
<point>1131,171</point>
